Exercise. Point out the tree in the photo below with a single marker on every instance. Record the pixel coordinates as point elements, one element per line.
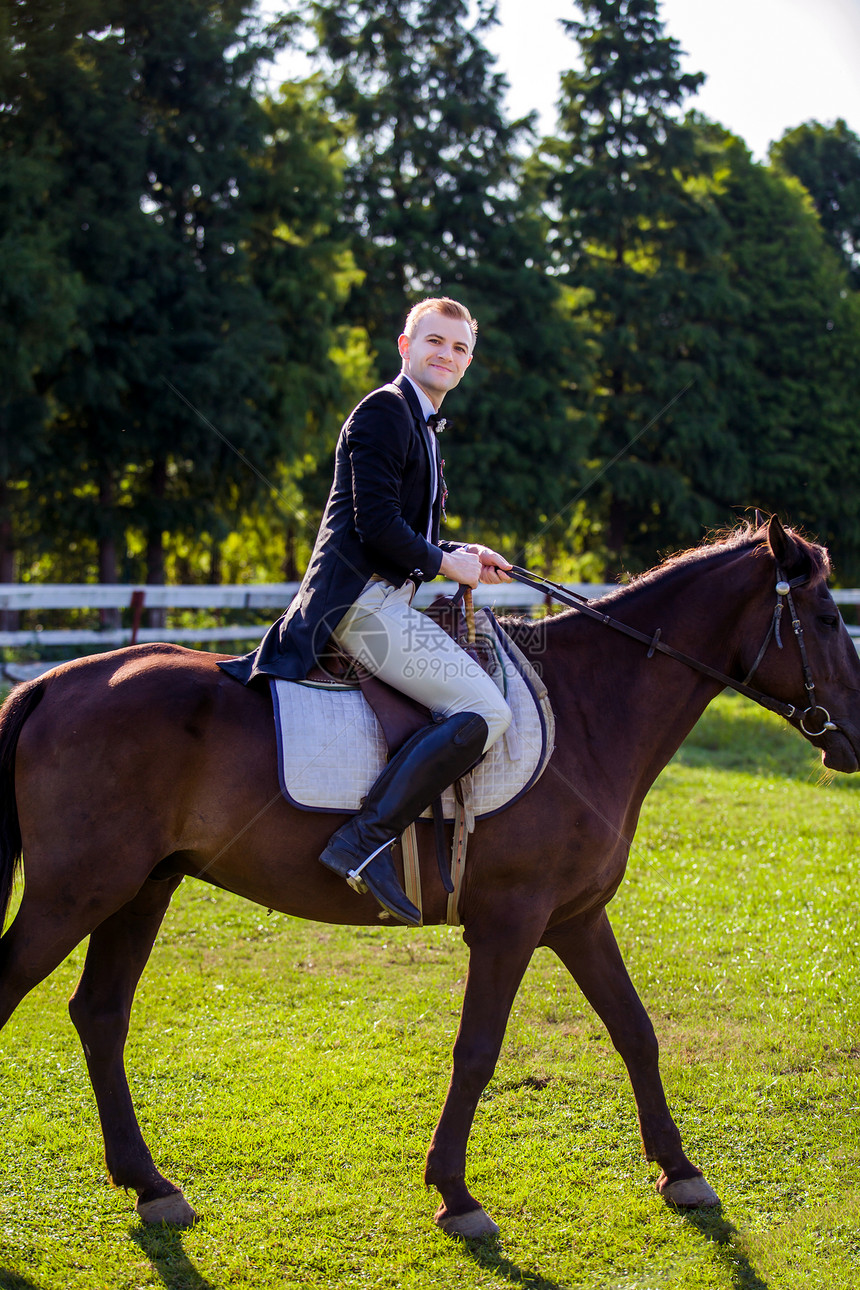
<point>794,401</point>
<point>147,123</point>
<point>435,203</point>
<point>634,230</point>
<point>194,226</point>
<point>428,141</point>
<point>826,160</point>
<point>40,293</point>
<point>302,265</point>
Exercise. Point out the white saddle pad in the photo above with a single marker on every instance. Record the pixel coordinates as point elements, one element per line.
<point>331,747</point>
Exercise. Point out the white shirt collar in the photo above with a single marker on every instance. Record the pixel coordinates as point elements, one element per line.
<point>426,406</point>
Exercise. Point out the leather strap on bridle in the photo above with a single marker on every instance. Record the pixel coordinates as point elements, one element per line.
<point>655,644</point>
<point>783,588</point>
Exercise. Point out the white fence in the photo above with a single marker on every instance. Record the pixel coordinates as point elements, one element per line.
<point>265,597</point>
<point>269,596</point>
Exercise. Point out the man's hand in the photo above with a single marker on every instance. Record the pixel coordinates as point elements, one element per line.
<point>493,565</point>
<point>462,565</point>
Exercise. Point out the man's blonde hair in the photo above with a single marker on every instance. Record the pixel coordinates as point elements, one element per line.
<point>438,305</point>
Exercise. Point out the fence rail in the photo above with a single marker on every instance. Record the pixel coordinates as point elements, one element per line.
<point>271,596</point>
<point>258,597</point>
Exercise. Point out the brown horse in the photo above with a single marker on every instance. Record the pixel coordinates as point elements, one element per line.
<point>125,772</point>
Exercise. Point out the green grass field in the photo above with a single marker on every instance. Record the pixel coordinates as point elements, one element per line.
<point>289,1076</point>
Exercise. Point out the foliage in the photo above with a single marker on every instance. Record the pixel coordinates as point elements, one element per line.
<point>826,160</point>
<point>436,203</point>
<point>120,100</point>
<point>794,400</point>
<point>40,293</point>
<point>429,144</point>
<point>198,279</point>
<point>634,231</point>
<point>304,269</point>
<point>177,192</point>
<point>289,1075</point>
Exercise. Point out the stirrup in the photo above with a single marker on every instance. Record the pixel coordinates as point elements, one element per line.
<point>353,876</point>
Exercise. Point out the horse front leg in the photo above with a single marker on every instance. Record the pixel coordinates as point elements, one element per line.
<point>498,958</point>
<point>100,1009</point>
<point>590,953</point>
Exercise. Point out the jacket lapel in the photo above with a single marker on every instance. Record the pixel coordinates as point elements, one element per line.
<point>431,447</point>
<point>405,388</point>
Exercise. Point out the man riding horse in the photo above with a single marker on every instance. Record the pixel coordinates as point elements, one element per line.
<point>377,542</point>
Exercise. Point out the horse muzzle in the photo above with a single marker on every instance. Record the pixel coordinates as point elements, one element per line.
<point>840,749</point>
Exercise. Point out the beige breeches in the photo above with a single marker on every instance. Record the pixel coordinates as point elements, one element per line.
<point>412,654</point>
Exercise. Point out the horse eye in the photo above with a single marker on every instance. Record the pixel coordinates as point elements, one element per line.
<point>829,620</point>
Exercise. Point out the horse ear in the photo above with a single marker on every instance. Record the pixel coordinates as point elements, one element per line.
<point>760,518</point>
<point>785,550</point>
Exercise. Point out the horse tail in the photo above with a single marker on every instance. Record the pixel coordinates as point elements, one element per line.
<point>14,712</point>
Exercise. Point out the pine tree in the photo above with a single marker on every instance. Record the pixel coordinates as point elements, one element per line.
<point>794,401</point>
<point>428,140</point>
<point>435,202</point>
<point>636,232</point>
<point>204,307</point>
<point>40,293</point>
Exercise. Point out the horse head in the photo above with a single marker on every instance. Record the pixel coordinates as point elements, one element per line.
<point>808,658</point>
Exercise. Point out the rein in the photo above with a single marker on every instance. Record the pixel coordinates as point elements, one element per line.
<point>783,590</point>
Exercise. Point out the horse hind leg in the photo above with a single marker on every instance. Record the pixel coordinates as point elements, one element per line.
<point>100,1009</point>
<point>591,955</point>
<point>33,946</point>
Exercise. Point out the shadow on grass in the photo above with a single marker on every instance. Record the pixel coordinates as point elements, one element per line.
<point>12,1281</point>
<point>712,1226</point>
<point>487,1255</point>
<point>163,1247</point>
<point>729,1248</point>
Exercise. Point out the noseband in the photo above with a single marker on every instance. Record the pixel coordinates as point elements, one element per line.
<point>784,589</point>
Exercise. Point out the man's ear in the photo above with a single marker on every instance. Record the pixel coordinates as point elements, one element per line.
<point>403,345</point>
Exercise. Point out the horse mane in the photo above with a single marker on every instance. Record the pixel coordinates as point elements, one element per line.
<point>745,534</point>
<point>720,542</point>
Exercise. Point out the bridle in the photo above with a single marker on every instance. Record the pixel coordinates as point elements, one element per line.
<point>783,596</point>
<point>784,588</point>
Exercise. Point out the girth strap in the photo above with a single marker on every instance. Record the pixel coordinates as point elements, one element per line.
<point>458,862</point>
<point>439,836</point>
<point>412,868</point>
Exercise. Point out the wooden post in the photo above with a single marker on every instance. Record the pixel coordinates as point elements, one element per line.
<point>138,599</point>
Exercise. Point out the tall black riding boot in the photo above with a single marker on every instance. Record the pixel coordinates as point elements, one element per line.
<point>426,765</point>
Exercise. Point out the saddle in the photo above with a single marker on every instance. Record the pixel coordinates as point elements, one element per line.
<point>331,749</point>
<point>398,715</point>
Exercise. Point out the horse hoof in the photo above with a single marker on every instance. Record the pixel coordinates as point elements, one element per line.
<point>689,1193</point>
<point>173,1210</point>
<point>469,1226</point>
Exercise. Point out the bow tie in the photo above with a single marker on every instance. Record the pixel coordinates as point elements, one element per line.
<point>436,423</point>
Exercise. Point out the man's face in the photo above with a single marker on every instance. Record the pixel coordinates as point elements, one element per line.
<point>437,354</point>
